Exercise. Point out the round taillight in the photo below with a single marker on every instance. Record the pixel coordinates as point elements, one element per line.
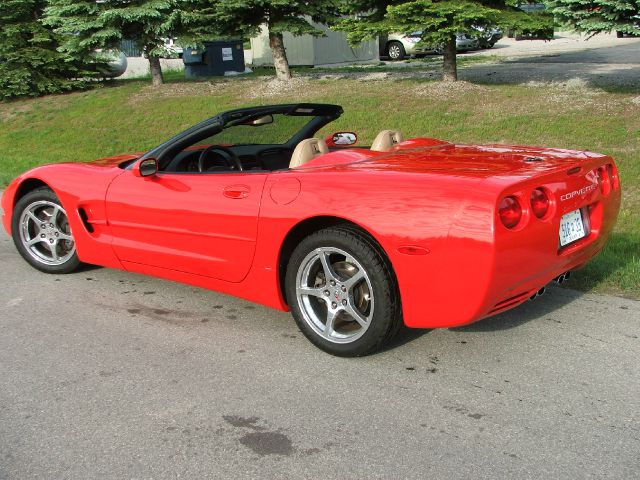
<point>510,211</point>
<point>539,202</point>
<point>604,180</point>
<point>613,177</point>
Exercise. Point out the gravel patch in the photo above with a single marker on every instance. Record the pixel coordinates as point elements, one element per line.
<point>272,87</point>
<point>448,89</point>
<point>177,90</point>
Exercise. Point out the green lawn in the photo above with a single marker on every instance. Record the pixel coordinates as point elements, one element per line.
<point>130,116</point>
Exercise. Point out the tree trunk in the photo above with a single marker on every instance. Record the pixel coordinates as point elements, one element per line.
<point>280,61</point>
<point>449,66</point>
<point>156,71</point>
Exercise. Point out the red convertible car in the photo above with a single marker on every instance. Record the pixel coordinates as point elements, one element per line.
<point>355,241</point>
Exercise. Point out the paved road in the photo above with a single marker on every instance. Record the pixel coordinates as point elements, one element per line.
<point>106,374</point>
<point>603,61</point>
<point>601,65</point>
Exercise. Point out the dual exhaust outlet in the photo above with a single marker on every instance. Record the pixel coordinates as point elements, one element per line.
<point>560,279</point>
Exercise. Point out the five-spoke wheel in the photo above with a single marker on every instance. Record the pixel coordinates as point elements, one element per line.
<point>341,292</point>
<point>42,234</point>
<point>335,295</point>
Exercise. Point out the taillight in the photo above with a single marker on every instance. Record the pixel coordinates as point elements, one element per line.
<point>539,202</point>
<point>613,176</point>
<point>604,180</point>
<point>510,211</point>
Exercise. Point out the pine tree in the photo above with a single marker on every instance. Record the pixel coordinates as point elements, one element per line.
<point>246,17</point>
<point>91,25</point>
<point>438,20</point>
<point>598,16</point>
<point>30,65</point>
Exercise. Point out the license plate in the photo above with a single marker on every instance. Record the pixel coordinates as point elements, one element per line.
<point>571,228</point>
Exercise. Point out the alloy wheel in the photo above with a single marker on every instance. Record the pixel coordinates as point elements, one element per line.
<point>335,295</point>
<point>45,233</point>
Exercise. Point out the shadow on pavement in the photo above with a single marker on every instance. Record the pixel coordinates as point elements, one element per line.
<point>404,336</point>
<point>609,68</point>
<point>555,298</point>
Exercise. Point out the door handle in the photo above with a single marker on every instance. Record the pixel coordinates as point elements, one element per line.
<point>236,191</point>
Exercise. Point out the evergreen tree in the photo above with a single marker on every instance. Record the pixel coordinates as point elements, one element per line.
<point>246,17</point>
<point>438,20</point>
<point>598,16</point>
<point>90,25</point>
<point>29,61</point>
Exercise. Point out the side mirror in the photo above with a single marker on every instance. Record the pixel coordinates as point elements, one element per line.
<point>341,139</point>
<point>146,167</point>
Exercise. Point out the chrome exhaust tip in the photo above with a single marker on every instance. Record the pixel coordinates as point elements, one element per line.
<point>560,279</point>
<point>539,293</point>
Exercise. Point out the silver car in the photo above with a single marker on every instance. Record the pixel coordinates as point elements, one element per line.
<point>398,46</point>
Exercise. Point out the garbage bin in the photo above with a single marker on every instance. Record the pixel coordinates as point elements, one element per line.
<point>215,59</point>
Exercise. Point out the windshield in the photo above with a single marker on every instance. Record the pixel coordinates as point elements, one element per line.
<point>283,128</point>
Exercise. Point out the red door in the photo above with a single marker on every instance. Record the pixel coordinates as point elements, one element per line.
<point>196,223</point>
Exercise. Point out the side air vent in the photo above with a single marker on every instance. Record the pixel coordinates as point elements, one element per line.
<point>85,220</point>
<point>533,159</point>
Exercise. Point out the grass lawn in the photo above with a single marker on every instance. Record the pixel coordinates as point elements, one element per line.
<point>130,116</point>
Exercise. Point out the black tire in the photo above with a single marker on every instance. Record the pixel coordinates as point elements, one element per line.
<point>68,262</point>
<point>386,313</point>
<point>396,51</point>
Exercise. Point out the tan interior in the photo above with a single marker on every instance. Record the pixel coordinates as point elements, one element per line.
<point>386,139</point>
<point>307,150</point>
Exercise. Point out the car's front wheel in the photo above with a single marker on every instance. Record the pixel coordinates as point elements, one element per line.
<point>342,293</point>
<point>396,51</point>
<point>41,232</point>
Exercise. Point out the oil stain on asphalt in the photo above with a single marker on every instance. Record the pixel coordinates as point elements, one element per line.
<point>262,441</point>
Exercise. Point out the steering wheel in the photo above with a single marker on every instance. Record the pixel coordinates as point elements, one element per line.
<point>230,158</point>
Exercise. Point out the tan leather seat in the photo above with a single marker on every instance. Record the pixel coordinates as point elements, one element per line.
<point>386,139</point>
<point>307,150</point>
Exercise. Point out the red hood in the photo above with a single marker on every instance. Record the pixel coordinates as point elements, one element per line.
<point>109,161</point>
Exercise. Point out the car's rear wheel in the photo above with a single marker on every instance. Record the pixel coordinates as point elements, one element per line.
<point>41,232</point>
<point>396,51</point>
<point>342,293</point>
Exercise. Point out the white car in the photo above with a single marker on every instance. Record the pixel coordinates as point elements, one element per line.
<point>172,50</point>
<point>397,46</point>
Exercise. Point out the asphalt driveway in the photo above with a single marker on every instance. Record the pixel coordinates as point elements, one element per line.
<point>107,374</point>
<point>603,65</point>
<point>603,61</point>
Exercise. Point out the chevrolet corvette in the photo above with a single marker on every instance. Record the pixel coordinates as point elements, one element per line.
<point>354,240</point>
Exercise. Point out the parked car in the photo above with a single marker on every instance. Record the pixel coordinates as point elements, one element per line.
<point>398,46</point>
<point>464,43</point>
<point>172,49</point>
<point>355,241</point>
<point>488,37</point>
